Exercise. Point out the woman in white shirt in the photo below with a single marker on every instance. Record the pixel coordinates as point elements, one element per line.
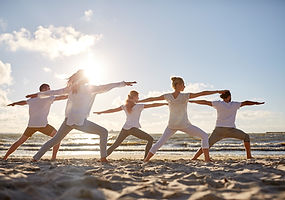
<point>178,119</point>
<point>81,96</point>
<point>132,125</point>
<point>225,124</point>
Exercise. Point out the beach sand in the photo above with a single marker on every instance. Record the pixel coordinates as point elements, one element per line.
<point>164,177</point>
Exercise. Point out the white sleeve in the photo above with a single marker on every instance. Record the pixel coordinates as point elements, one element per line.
<point>237,105</point>
<point>107,87</point>
<point>215,104</point>
<point>61,91</point>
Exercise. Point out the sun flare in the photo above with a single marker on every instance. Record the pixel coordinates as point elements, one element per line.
<point>94,70</point>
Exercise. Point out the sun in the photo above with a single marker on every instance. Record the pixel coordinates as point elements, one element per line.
<point>94,70</point>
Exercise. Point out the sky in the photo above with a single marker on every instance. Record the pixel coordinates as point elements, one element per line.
<point>212,44</point>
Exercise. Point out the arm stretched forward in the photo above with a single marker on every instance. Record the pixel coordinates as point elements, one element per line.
<point>61,97</point>
<point>152,99</point>
<point>202,102</point>
<point>250,103</point>
<point>109,111</point>
<point>62,91</point>
<point>204,93</point>
<point>20,103</point>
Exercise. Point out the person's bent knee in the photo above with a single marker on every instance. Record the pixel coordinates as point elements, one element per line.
<point>53,133</point>
<point>150,139</point>
<point>104,132</point>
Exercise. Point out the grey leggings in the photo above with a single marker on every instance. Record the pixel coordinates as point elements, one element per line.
<point>224,132</point>
<point>135,132</point>
<point>88,127</point>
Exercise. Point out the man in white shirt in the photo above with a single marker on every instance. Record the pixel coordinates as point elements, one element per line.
<point>225,124</point>
<point>38,112</point>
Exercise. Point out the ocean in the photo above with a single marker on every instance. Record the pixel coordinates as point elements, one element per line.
<point>78,143</point>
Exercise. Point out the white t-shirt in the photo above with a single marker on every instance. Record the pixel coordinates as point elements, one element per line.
<point>39,110</point>
<point>133,117</point>
<point>226,113</point>
<point>178,118</point>
<point>79,104</point>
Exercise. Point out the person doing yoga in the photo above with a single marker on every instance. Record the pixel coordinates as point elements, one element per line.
<point>225,124</point>
<point>81,96</point>
<point>38,113</point>
<point>178,119</point>
<point>132,125</point>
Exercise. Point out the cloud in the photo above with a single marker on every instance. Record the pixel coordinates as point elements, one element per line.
<point>88,15</point>
<point>46,69</point>
<point>5,73</point>
<point>6,79</point>
<point>3,98</point>
<point>50,41</point>
<point>198,87</point>
<point>3,25</point>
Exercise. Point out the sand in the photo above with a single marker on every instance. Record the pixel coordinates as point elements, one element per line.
<point>165,177</point>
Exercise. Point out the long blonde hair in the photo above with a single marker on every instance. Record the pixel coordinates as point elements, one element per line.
<point>176,80</point>
<point>129,102</point>
<point>77,79</point>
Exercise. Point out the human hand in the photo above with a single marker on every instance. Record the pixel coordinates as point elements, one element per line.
<point>32,95</point>
<point>130,83</point>
<point>222,91</point>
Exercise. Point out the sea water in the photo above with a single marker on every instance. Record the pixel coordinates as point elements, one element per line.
<point>79,143</point>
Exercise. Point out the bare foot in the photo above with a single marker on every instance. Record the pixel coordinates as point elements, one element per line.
<point>250,157</point>
<point>104,160</point>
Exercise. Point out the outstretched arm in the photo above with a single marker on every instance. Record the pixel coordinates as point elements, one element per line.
<point>61,97</point>
<point>202,102</point>
<point>20,103</point>
<point>109,111</point>
<point>152,99</point>
<point>50,93</point>
<point>108,87</point>
<point>250,103</point>
<point>204,93</point>
<point>155,105</point>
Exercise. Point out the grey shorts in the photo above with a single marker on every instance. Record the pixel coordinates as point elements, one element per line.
<point>224,132</point>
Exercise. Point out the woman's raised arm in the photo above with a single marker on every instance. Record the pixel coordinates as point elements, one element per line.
<point>152,99</point>
<point>109,111</point>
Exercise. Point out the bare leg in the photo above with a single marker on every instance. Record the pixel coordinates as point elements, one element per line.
<point>214,137</point>
<point>15,146</point>
<point>149,155</point>
<point>55,148</point>
<point>195,131</point>
<point>198,153</point>
<point>248,151</point>
<point>206,154</point>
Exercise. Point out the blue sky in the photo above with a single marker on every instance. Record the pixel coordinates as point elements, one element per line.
<point>217,44</point>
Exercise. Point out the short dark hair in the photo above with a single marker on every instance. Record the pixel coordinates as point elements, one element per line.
<point>43,86</point>
<point>225,95</point>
